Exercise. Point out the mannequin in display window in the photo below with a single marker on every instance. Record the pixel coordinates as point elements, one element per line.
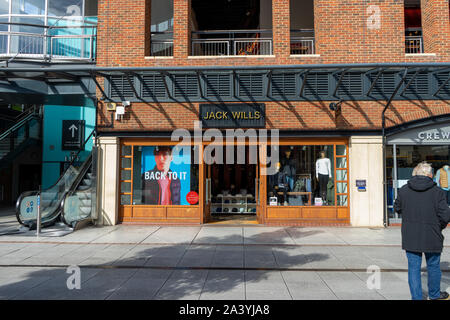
<point>442,180</point>
<point>278,183</point>
<point>323,174</point>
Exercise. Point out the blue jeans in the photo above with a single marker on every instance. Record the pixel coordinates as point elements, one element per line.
<point>433,270</point>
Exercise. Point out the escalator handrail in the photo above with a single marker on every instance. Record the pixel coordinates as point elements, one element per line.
<point>74,186</point>
<point>31,114</point>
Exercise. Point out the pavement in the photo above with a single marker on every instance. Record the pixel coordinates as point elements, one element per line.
<point>211,262</point>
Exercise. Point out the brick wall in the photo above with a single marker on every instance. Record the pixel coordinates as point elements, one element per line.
<point>343,35</point>
<point>282,115</point>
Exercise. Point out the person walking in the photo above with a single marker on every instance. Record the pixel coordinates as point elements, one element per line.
<point>425,213</point>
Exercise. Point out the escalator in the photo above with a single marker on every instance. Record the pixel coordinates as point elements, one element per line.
<point>69,203</point>
<point>78,207</point>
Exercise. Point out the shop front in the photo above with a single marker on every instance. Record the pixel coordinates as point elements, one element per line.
<point>407,146</point>
<point>293,181</point>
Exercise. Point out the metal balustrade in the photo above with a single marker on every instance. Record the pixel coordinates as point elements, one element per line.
<point>414,44</point>
<point>162,48</point>
<point>232,43</point>
<point>161,44</point>
<point>54,43</point>
<point>302,41</point>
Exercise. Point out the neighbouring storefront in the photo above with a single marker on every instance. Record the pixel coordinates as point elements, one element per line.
<point>409,145</point>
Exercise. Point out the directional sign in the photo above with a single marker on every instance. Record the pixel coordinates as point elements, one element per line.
<point>72,134</point>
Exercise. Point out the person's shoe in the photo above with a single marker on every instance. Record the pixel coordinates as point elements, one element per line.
<point>444,296</point>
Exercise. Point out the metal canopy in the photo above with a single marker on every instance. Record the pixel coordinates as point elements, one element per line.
<point>312,82</point>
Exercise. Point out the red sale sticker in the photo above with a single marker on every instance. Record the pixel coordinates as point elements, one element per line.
<point>192,197</point>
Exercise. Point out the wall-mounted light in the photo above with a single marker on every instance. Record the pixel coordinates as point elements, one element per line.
<point>335,106</point>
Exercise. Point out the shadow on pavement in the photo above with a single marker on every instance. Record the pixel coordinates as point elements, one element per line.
<point>166,272</point>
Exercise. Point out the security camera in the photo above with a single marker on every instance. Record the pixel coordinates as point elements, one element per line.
<point>126,103</point>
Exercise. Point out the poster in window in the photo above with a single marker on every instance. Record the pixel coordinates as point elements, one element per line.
<point>165,175</point>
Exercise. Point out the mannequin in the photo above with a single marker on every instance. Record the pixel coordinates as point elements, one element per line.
<point>442,180</point>
<point>323,174</point>
<point>278,183</point>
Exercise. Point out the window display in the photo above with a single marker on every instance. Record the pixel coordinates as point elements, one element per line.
<point>159,175</point>
<point>401,170</point>
<point>305,176</point>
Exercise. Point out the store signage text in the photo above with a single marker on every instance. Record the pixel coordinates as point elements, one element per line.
<point>442,135</point>
<point>223,115</point>
<point>233,115</point>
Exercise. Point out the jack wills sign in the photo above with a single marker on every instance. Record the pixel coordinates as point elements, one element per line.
<point>233,115</point>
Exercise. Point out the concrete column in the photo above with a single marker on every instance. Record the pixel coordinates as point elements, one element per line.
<point>108,181</point>
<point>366,163</point>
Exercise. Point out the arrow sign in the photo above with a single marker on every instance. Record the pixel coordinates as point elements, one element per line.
<point>73,128</point>
<point>72,134</point>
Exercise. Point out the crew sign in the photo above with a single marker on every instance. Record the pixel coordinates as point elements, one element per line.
<point>72,134</point>
<point>233,115</point>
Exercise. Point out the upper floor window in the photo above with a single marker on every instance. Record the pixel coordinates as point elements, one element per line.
<point>413,27</point>
<point>48,28</point>
<point>302,26</point>
<point>231,27</point>
<point>161,19</point>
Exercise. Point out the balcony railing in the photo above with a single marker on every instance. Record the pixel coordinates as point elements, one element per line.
<point>414,44</point>
<point>232,43</point>
<point>302,41</point>
<point>161,44</point>
<point>414,40</point>
<point>71,43</point>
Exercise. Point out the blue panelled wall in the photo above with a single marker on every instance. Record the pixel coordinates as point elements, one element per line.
<point>53,157</point>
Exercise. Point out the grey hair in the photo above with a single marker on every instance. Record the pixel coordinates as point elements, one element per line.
<point>423,169</point>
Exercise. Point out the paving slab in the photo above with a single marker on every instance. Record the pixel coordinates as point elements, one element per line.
<point>183,285</point>
<point>127,234</point>
<point>267,235</point>
<point>348,286</point>
<point>313,236</point>
<point>307,286</point>
<point>306,257</point>
<point>176,235</point>
<point>224,285</point>
<point>228,256</point>
<point>220,235</point>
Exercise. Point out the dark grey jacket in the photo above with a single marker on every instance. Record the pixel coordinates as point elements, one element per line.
<point>425,214</point>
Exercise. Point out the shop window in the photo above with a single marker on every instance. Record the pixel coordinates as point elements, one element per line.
<point>159,175</point>
<point>310,175</point>
<point>400,163</point>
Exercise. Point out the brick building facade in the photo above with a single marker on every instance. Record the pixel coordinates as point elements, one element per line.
<point>345,33</point>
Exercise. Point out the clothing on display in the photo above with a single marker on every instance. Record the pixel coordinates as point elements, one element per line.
<point>330,192</point>
<point>323,174</point>
<point>442,180</point>
<point>323,167</point>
